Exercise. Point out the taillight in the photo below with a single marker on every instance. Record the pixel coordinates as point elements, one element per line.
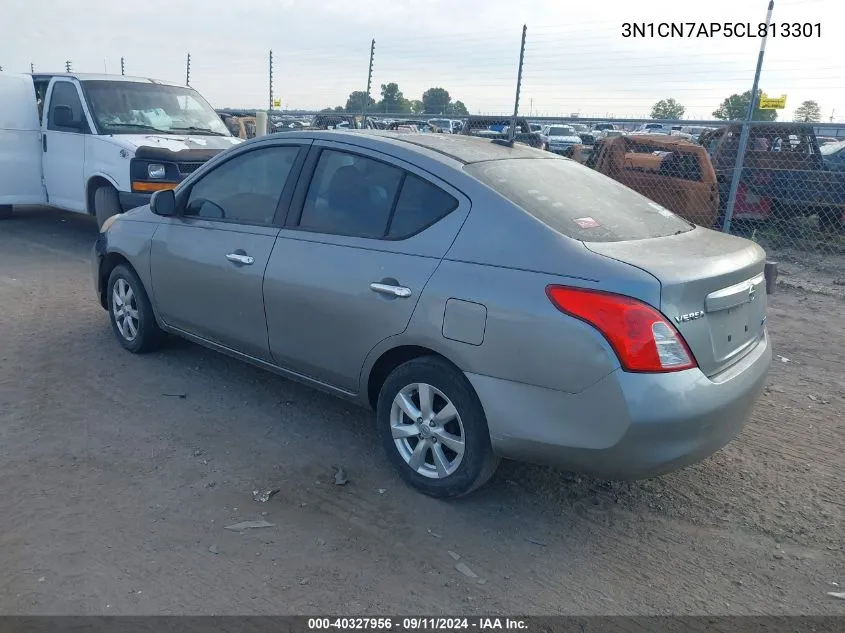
<point>643,339</point>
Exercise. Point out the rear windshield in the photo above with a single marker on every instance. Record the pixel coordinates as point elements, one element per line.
<point>577,201</point>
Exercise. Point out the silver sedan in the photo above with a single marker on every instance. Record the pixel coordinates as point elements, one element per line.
<point>485,300</point>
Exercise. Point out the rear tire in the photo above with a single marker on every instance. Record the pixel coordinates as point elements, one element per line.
<point>444,452</point>
<point>5,211</point>
<point>106,204</point>
<point>131,312</point>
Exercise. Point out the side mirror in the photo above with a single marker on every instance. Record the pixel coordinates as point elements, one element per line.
<point>63,117</point>
<point>163,203</point>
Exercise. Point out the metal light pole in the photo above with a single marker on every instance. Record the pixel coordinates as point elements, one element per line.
<point>188,71</point>
<point>746,127</point>
<point>512,130</point>
<point>369,85</point>
<point>271,79</point>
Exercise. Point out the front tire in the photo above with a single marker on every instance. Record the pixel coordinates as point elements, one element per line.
<point>433,428</point>
<point>106,204</point>
<point>131,312</point>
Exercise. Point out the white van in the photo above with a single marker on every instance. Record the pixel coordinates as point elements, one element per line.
<point>100,144</point>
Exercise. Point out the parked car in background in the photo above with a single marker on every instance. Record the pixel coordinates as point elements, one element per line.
<point>535,127</point>
<point>413,125</point>
<point>690,132</point>
<point>493,128</point>
<point>331,121</point>
<point>657,128</point>
<point>495,300</point>
<point>784,175</point>
<point>670,171</point>
<point>601,127</point>
<point>612,133</point>
<point>833,155</point>
<point>447,126</point>
<point>100,144</point>
<point>559,138</point>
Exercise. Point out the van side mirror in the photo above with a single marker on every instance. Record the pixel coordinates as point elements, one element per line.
<point>63,117</point>
<point>163,203</point>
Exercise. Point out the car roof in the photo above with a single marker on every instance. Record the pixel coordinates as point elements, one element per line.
<point>461,148</point>
<point>103,77</point>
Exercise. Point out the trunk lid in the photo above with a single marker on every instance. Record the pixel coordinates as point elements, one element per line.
<point>712,289</point>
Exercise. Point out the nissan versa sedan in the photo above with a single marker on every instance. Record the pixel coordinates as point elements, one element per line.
<point>486,300</point>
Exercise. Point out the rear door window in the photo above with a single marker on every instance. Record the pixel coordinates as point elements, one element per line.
<point>577,201</point>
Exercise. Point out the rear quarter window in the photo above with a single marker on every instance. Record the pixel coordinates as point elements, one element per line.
<point>576,201</point>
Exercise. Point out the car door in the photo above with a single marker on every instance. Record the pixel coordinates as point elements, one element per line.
<point>207,263</point>
<point>63,146</point>
<point>365,234</point>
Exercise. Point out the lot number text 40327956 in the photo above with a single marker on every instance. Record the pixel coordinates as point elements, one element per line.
<point>720,29</point>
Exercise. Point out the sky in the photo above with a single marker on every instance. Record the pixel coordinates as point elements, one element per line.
<point>576,59</point>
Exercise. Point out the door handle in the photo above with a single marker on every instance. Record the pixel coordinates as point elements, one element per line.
<point>241,258</point>
<point>44,141</point>
<point>393,291</point>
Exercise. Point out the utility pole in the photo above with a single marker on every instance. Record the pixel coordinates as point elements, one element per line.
<point>121,65</point>
<point>832,112</point>
<point>271,79</point>
<point>746,126</point>
<point>512,130</point>
<point>31,67</point>
<point>67,66</point>
<point>369,84</point>
<point>188,71</point>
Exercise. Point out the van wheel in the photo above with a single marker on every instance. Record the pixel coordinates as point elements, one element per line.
<point>5,211</point>
<point>106,204</point>
<point>433,428</point>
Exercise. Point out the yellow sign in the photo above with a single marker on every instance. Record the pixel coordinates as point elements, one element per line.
<point>772,103</point>
<point>277,103</point>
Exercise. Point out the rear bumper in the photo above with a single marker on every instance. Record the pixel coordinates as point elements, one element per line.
<point>626,426</point>
<point>132,200</point>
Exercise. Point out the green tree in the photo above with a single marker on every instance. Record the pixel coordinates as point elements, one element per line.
<point>436,101</point>
<point>808,112</point>
<point>667,109</point>
<point>458,109</point>
<point>416,106</point>
<point>735,108</point>
<point>392,100</point>
<point>355,102</point>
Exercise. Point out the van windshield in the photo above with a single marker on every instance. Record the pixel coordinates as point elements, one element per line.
<point>127,107</point>
<point>576,201</point>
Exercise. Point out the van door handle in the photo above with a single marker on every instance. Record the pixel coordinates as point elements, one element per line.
<point>241,258</point>
<point>44,141</point>
<point>388,289</point>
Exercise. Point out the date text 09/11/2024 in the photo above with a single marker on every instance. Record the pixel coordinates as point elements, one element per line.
<point>721,29</point>
<point>418,624</point>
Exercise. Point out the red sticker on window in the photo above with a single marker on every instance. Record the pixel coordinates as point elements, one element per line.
<point>586,223</point>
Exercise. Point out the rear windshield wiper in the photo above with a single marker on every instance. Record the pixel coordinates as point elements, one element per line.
<point>204,130</point>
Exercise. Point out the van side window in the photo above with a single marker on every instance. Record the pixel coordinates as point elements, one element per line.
<point>66,109</point>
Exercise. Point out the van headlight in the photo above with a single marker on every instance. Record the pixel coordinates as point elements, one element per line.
<point>156,171</point>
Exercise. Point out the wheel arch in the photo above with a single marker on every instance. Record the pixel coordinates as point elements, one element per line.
<point>109,262</point>
<point>383,361</point>
<point>95,181</point>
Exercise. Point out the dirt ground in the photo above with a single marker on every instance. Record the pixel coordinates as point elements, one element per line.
<point>114,496</point>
